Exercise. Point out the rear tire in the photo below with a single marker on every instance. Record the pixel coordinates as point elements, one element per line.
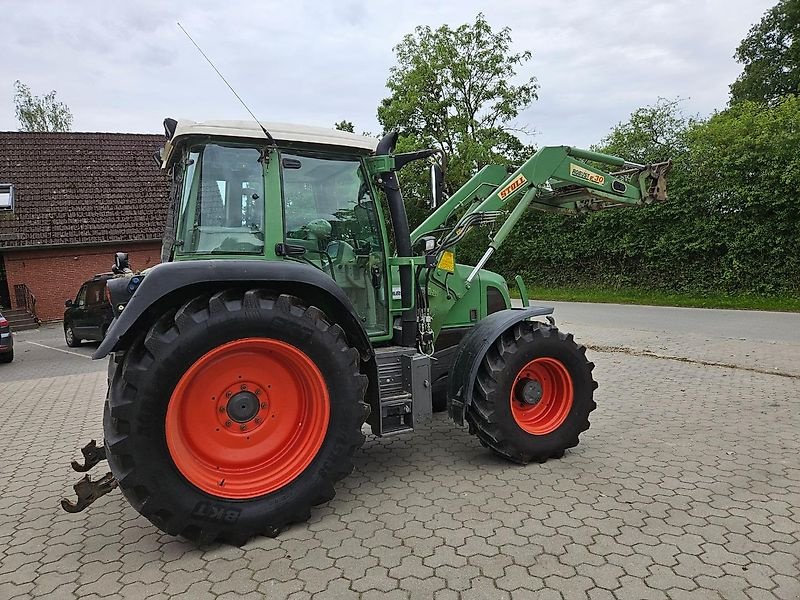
<point>69,336</point>
<point>7,357</point>
<point>561,392</point>
<point>158,430</point>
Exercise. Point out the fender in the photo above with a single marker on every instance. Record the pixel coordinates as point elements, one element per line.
<point>472,350</point>
<point>181,280</point>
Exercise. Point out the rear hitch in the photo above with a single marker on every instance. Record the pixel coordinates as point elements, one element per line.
<point>92,455</point>
<point>88,491</point>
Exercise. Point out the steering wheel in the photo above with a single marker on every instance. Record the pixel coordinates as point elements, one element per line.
<point>232,245</point>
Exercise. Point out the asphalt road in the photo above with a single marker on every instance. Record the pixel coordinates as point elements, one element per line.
<point>757,326</point>
<point>44,353</point>
<point>767,342</point>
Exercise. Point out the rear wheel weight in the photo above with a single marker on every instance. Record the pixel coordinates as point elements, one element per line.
<point>181,382</point>
<point>533,394</point>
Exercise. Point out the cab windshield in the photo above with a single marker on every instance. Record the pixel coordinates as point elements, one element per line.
<point>222,205</point>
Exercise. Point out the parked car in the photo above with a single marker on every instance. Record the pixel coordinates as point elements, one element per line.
<point>6,341</point>
<point>89,315</point>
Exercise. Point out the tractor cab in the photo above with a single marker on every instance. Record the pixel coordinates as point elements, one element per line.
<point>306,198</point>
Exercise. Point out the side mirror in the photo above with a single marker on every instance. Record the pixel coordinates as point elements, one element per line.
<point>68,303</point>
<point>437,185</point>
<point>121,263</point>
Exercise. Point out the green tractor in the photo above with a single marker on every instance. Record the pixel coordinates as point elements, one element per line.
<point>290,309</point>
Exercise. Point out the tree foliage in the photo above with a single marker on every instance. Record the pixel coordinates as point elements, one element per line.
<point>345,125</point>
<point>651,134</point>
<point>40,113</point>
<point>771,56</point>
<point>730,224</point>
<point>454,88</point>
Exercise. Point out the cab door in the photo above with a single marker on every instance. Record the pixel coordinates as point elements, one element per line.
<point>332,222</point>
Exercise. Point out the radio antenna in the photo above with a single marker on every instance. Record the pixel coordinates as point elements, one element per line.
<point>270,139</point>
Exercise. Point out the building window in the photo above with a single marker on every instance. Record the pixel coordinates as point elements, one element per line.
<point>6,196</point>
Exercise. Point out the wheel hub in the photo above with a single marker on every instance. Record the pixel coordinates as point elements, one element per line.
<point>529,391</point>
<point>243,407</point>
<point>542,395</point>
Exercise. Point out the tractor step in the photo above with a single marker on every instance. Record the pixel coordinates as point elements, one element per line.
<point>396,414</point>
<point>404,382</point>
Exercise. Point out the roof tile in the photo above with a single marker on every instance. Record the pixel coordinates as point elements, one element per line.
<point>82,188</point>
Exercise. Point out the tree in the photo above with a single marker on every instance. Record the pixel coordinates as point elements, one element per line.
<point>771,56</point>
<point>454,89</point>
<point>344,125</point>
<point>651,134</point>
<point>40,113</point>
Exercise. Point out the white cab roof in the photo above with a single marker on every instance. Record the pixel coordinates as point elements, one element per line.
<point>282,132</point>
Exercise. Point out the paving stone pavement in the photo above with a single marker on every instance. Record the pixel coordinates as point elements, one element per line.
<point>687,486</point>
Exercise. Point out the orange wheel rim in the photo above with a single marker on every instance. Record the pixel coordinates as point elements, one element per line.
<point>541,396</point>
<point>247,418</point>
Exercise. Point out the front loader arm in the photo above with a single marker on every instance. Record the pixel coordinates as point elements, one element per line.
<point>563,179</point>
<point>475,191</point>
<point>555,178</point>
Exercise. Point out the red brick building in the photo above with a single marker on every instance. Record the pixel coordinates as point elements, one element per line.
<point>68,202</point>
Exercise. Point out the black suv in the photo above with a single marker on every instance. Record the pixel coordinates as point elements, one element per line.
<point>89,315</point>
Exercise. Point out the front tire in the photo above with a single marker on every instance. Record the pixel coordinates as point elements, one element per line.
<point>533,394</point>
<point>234,416</point>
<point>69,336</point>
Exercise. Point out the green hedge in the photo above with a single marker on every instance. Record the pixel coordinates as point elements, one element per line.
<point>731,225</point>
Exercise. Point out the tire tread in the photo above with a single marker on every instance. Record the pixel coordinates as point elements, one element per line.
<point>133,371</point>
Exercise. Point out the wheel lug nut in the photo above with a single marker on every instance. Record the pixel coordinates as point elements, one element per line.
<point>242,427</point>
<point>263,405</point>
<point>243,387</point>
<point>257,420</point>
<point>227,423</point>
<point>221,409</point>
<point>258,392</point>
<point>228,394</point>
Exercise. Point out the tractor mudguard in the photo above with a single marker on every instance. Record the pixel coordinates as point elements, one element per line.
<point>181,280</point>
<point>472,350</point>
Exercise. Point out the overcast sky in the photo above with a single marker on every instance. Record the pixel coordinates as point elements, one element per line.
<point>125,66</point>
